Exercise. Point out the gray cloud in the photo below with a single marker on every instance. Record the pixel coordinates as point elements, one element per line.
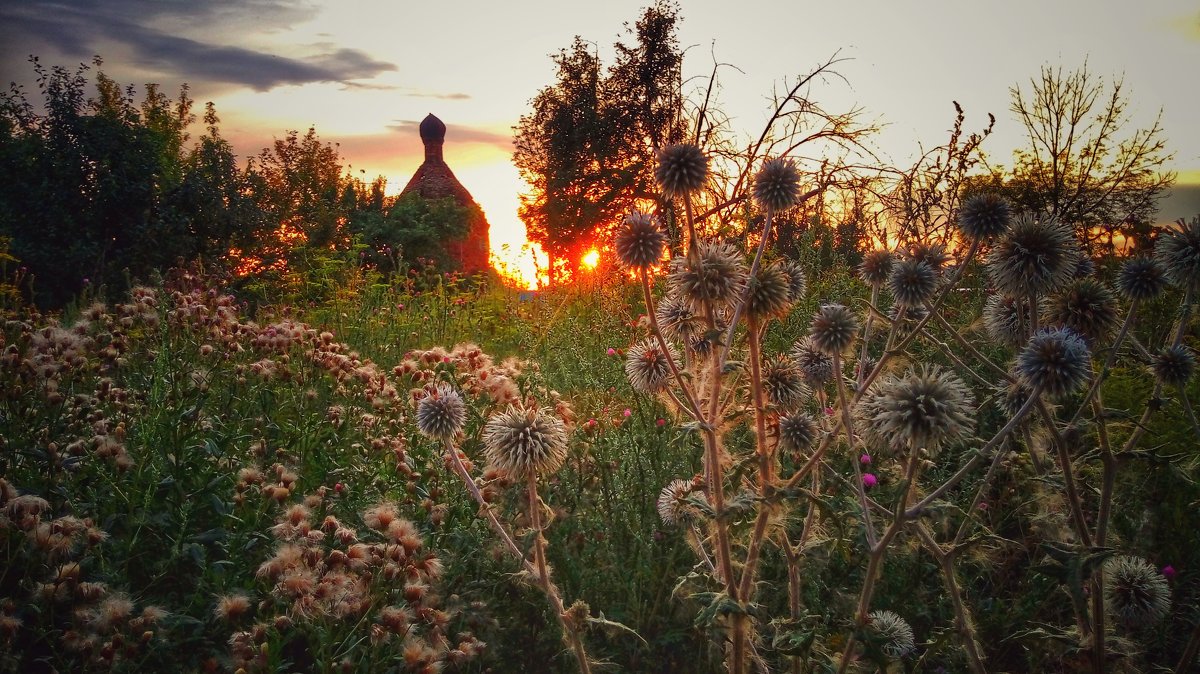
<point>80,28</point>
<point>456,96</point>
<point>455,134</point>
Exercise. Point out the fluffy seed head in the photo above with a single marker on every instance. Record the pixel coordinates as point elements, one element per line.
<point>1008,319</point>
<point>1178,251</point>
<point>716,277</point>
<point>1086,306</point>
<point>1055,360</point>
<point>797,432</point>
<point>639,242</point>
<point>682,170</point>
<point>876,267</point>
<point>777,184</point>
<point>784,383</point>
<point>912,282</point>
<point>673,506</point>
<point>797,280</point>
<point>1174,365</point>
<point>1035,255</point>
<point>648,367</point>
<point>677,320</point>
<point>924,408</point>
<point>984,215</point>
<point>441,414</point>
<point>770,293</point>
<point>833,329</point>
<point>524,442</point>
<point>890,633</point>
<point>1135,591</point>
<point>815,365</point>
<point>1141,278</point>
<point>932,254</point>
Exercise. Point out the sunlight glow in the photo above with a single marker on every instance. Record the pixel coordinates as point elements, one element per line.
<point>590,259</point>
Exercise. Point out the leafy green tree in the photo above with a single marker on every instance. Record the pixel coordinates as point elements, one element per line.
<point>299,181</point>
<point>411,232</point>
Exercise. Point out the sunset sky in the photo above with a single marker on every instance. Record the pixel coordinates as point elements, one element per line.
<point>365,72</point>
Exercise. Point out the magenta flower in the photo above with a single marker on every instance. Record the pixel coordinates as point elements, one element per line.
<point>612,351</point>
<point>864,459</point>
<point>869,480</point>
<point>628,413</point>
<point>1169,571</point>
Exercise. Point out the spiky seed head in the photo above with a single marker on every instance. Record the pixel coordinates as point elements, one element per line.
<point>673,505</point>
<point>784,383</point>
<point>932,254</point>
<point>924,408</point>
<point>833,329</point>
<point>677,320</point>
<point>1141,278</point>
<point>814,364</point>
<point>639,242</point>
<point>901,313</point>
<point>984,215</point>
<point>913,282</point>
<point>1013,397</point>
<point>1136,593</point>
<point>520,442</point>
<point>876,267</point>
<point>648,367</point>
<point>890,633</point>
<point>682,170</point>
<point>1174,365</point>
<point>442,413</point>
<point>1178,251</point>
<point>777,185</point>
<point>770,293</point>
<point>1085,267</point>
<point>1008,319</point>
<point>797,432</point>
<point>715,277</point>
<point>1086,306</point>
<point>1036,255</point>
<point>1055,360</point>
<point>797,280</point>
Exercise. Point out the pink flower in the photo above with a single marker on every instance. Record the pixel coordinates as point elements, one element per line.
<point>829,411</point>
<point>869,480</point>
<point>864,459</point>
<point>982,505</point>
<point>612,351</point>
<point>661,422</point>
<point>627,413</point>
<point>1169,571</point>
<point>339,487</point>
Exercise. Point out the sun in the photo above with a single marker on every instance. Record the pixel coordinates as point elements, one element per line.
<point>590,259</point>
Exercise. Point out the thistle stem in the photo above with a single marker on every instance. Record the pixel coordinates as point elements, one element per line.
<point>543,576</point>
<point>962,620</point>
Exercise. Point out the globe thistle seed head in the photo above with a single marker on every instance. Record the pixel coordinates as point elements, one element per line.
<point>770,293</point>
<point>814,364</point>
<point>1178,251</point>
<point>1086,306</point>
<point>890,633</point>
<point>677,320</point>
<point>797,280</point>
<point>924,408</point>
<point>784,383</point>
<point>441,414</point>
<point>1055,360</point>
<point>833,329</point>
<point>901,313</point>
<point>932,254</point>
<point>682,170</point>
<point>777,185</point>
<point>648,367</point>
<point>673,506</point>
<point>1085,267</point>
<point>984,215</point>
<point>1141,278</point>
<point>1013,397</point>
<point>639,242</point>
<point>876,267</point>
<point>714,278</point>
<point>522,442</point>
<point>1035,256</point>
<point>1008,319</point>
<point>1174,365</point>
<point>912,282</point>
<point>1135,591</point>
<point>797,432</point>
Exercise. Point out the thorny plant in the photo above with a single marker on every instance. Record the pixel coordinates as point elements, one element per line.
<point>703,358</point>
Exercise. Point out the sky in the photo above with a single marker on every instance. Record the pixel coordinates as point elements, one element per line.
<point>365,72</point>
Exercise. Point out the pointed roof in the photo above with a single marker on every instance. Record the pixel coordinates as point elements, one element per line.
<point>434,179</point>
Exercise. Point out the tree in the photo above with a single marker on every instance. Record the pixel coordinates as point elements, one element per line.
<point>300,182</point>
<point>411,230</point>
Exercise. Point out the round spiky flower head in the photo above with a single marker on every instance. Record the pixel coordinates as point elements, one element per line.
<point>890,633</point>
<point>770,292</point>
<point>797,280</point>
<point>677,320</point>
<point>1086,306</point>
<point>784,383</point>
<point>797,432</point>
<point>1013,397</point>
<point>815,365</point>
<point>1055,360</point>
<point>932,254</point>
<point>1141,278</point>
<point>441,414</point>
<point>924,408</point>
<point>682,170</point>
<point>648,368</point>
<point>1036,255</point>
<point>984,215</point>
<point>777,184</point>
<point>1174,365</point>
<point>522,442</point>
<point>1135,591</point>
<point>1007,319</point>
<point>1178,250</point>
<point>639,242</point>
<point>833,329</point>
<point>876,267</point>
<point>912,282</point>
<point>716,277</point>
<point>673,506</point>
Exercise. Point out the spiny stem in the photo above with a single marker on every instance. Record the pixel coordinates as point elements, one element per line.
<point>766,476</point>
<point>963,624</point>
